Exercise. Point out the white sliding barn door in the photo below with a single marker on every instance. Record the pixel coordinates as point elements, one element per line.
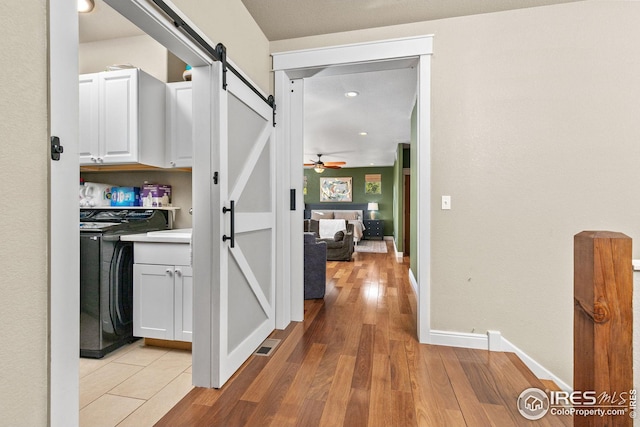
<point>247,254</point>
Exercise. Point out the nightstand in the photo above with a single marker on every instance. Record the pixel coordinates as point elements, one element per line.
<point>373,229</point>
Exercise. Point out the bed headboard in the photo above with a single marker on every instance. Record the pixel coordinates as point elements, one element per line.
<point>341,206</point>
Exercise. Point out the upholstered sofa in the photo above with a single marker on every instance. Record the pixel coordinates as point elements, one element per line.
<point>315,267</point>
<point>340,250</point>
<point>337,250</point>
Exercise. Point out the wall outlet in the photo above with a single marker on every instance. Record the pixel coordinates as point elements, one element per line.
<point>446,202</point>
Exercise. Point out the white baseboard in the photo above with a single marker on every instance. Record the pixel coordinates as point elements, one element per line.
<point>395,249</point>
<point>492,341</point>
<point>459,339</point>
<point>388,238</point>
<point>414,283</point>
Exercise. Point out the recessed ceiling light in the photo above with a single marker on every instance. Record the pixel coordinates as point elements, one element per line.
<point>363,134</point>
<point>351,94</point>
<point>85,6</point>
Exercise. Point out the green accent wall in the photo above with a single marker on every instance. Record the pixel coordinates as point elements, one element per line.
<point>413,245</point>
<point>385,200</point>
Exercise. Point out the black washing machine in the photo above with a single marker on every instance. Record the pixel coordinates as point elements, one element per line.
<point>106,275</point>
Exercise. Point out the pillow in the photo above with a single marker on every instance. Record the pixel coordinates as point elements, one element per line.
<point>339,236</point>
<point>321,215</point>
<point>347,215</point>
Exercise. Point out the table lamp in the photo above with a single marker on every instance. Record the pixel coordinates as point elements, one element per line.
<point>372,207</point>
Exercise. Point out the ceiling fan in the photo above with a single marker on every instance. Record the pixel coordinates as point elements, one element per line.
<point>319,166</point>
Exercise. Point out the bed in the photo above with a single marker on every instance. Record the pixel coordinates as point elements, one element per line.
<point>332,218</point>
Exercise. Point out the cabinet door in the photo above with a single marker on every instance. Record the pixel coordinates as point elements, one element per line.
<point>183,303</point>
<point>88,144</point>
<point>119,117</point>
<point>153,296</point>
<point>179,125</point>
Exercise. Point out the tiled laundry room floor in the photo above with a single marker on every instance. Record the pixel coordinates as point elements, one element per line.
<point>133,386</point>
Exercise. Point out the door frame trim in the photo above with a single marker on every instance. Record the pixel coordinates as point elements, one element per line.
<point>292,66</point>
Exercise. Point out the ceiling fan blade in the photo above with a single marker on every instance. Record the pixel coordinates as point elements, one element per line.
<point>309,164</point>
<point>335,163</point>
<point>332,167</point>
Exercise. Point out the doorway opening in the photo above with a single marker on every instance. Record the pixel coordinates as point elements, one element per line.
<point>291,69</point>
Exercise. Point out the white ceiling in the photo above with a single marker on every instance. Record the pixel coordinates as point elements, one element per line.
<point>285,19</point>
<point>332,121</point>
<point>104,23</point>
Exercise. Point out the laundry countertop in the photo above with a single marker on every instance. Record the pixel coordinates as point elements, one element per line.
<point>179,235</point>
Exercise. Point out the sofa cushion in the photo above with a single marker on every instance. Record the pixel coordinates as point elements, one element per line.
<point>338,236</point>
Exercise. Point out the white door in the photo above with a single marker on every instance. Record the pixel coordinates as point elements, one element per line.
<point>247,254</point>
<point>64,246</point>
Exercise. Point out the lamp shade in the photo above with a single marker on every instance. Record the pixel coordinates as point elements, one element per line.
<point>372,206</point>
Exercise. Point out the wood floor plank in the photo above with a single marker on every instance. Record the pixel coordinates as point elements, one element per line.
<point>400,379</point>
<point>336,405</point>
<point>261,385</point>
<point>403,412</point>
<point>471,407</point>
<point>364,359</point>
<point>240,414</point>
<point>357,412</point>
<point>268,407</point>
<point>310,413</point>
<point>425,391</point>
<point>301,384</point>
<point>379,405</point>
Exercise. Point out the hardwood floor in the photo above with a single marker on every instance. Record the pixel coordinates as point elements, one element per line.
<point>355,361</point>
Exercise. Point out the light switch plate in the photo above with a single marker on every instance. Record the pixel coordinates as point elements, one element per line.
<point>446,202</point>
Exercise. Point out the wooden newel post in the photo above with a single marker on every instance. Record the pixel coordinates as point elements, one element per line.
<point>603,322</point>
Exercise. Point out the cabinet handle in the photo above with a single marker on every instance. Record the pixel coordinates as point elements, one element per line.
<point>169,272</point>
<point>93,159</point>
<point>178,272</point>
<point>100,160</point>
<point>172,164</point>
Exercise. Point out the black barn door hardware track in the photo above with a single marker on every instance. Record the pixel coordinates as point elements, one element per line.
<point>219,53</point>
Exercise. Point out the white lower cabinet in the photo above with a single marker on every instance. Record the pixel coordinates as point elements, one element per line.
<point>162,299</point>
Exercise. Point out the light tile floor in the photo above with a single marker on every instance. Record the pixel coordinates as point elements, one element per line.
<point>133,386</point>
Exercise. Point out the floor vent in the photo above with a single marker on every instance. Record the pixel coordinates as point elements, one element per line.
<point>267,347</point>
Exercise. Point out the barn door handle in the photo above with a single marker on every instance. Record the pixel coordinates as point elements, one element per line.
<point>233,224</point>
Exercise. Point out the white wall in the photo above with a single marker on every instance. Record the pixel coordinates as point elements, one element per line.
<point>535,136</point>
<point>180,183</point>
<point>24,208</point>
<point>230,23</point>
<point>140,51</point>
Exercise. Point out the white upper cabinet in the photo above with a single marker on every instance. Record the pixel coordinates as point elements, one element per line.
<point>179,125</point>
<point>122,116</point>
<point>89,142</point>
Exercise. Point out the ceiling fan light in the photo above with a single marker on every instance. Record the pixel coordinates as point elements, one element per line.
<point>318,169</point>
<point>85,6</point>
<point>351,94</point>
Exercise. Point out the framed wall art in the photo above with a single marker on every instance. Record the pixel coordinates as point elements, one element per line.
<point>335,190</point>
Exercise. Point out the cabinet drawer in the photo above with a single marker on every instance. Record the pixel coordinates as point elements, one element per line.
<point>162,253</point>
